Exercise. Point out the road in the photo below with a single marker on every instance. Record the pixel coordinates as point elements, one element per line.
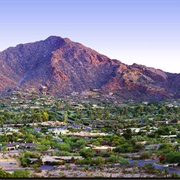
<point>12,170</point>
<point>139,163</point>
<point>142,162</point>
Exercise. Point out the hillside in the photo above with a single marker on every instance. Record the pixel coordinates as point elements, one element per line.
<point>64,66</point>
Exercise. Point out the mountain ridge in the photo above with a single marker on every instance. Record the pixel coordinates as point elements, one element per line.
<point>64,66</point>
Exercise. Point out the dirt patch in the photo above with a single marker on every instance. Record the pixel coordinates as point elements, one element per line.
<point>91,173</point>
<point>8,162</point>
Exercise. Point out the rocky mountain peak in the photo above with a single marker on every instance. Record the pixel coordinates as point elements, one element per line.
<point>65,66</point>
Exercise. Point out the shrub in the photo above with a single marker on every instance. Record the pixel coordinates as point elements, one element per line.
<point>123,161</point>
<point>172,157</point>
<point>86,153</point>
<point>125,148</point>
<point>149,168</point>
<point>83,161</point>
<point>145,155</point>
<point>174,175</point>
<point>64,153</point>
<point>166,147</point>
<point>98,161</point>
<point>21,173</point>
<point>86,167</point>
<point>67,166</point>
<point>113,159</point>
<point>61,173</point>
<point>38,170</point>
<point>4,174</point>
<point>105,153</point>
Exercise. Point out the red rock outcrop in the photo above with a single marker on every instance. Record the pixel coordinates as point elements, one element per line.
<point>65,66</point>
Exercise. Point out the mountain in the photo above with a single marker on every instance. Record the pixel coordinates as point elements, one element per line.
<point>64,66</point>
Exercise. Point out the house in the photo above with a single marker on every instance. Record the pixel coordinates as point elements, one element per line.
<point>9,133</point>
<point>58,159</point>
<point>106,143</point>
<point>110,93</point>
<point>78,106</point>
<point>58,130</point>
<point>86,134</point>
<point>12,146</point>
<point>43,90</point>
<point>70,158</point>
<point>96,90</point>
<point>5,125</point>
<point>58,140</point>
<point>51,160</point>
<point>37,129</point>
<point>20,140</point>
<point>135,130</point>
<point>170,137</point>
<point>33,160</point>
<point>152,147</point>
<point>74,93</point>
<point>142,142</point>
<point>101,148</point>
<point>141,122</point>
<point>28,145</point>
<point>163,122</point>
<point>50,151</point>
<point>9,129</point>
<point>45,124</point>
<point>153,128</point>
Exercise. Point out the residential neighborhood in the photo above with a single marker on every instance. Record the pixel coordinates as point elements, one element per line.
<point>44,136</point>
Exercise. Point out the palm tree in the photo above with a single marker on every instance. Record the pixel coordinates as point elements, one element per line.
<point>4,149</point>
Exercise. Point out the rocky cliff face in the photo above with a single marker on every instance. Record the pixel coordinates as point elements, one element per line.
<point>64,66</point>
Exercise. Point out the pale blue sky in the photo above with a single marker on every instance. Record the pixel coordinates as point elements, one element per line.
<point>134,31</point>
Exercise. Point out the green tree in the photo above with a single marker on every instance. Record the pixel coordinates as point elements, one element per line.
<point>63,146</point>
<point>45,116</point>
<point>113,159</point>
<point>36,117</point>
<point>44,130</point>
<point>98,161</point>
<point>172,157</point>
<point>4,149</point>
<point>166,147</point>
<point>106,114</point>
<point>29,138</point>
<point>80,143</point>
<point>127,134</point>
<point>4,174</point>
<point>123,161</point>
<point>87,153</point>
<point>21,173</point>
<point>149,168</point>
<point>41,148</point>
<point>104,153</point>
<point>145,155</point>
<point>89,113</point>
<point>124,148</point>
<point>65,116</point>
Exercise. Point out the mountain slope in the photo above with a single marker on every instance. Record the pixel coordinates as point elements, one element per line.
<point>64,66</point>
